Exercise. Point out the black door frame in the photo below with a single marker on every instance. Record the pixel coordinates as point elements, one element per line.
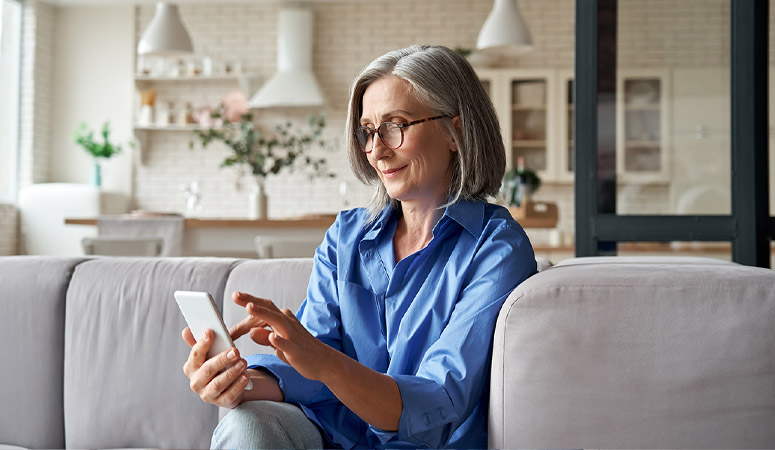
<point>598,228</point>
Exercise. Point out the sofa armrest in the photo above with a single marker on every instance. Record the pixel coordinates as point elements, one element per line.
<point>636,354</point>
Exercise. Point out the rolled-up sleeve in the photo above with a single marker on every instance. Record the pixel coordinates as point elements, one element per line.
<point>454,371</point>
<point>319,313</point>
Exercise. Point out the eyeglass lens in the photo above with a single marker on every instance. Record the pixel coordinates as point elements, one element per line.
<point>389,133</point>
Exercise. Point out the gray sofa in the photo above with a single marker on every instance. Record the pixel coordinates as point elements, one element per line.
<point>593,352</point>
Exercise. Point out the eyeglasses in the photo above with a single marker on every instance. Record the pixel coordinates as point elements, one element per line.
<point>390,133</point>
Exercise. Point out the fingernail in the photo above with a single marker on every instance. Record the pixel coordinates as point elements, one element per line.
<point>232,354</point>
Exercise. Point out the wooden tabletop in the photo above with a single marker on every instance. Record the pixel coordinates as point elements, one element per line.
<point>301,222</point>
<point>318,221</point>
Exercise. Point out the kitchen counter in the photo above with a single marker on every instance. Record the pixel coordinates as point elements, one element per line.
<point>234,237</point>
<point>301,222</point>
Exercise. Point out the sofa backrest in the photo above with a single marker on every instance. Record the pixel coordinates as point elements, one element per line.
<point>124,384</point>
<point>32,323</point>
<point>629,353</point>
<point>284,281</point>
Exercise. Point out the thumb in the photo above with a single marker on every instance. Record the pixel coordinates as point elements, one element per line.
<point>188,337</point>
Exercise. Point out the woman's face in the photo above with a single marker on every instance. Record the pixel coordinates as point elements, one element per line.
<point>417,171</point>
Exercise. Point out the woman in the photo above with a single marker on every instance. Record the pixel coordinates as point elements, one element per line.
<point>391,348</point>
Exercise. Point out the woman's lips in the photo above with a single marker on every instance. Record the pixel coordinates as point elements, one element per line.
<point>389,173</point>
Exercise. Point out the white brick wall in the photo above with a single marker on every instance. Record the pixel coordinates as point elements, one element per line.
<point>36,84</point>
<point>657,33</point>
<point>9,225</point>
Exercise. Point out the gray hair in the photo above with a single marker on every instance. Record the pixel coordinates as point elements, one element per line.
<point>445,82</point>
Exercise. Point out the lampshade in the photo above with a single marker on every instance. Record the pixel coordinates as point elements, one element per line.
<point>504,30</point>
<point>166,35</point>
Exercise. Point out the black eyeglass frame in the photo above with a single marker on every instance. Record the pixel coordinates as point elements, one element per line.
<point>400,126</point>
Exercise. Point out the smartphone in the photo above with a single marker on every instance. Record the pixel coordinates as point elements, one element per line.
<point>201,313</point>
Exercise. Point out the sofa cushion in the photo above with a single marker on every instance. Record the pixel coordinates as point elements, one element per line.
<point>32,328</point>
<point>655,354</point>
<point>123,377</point>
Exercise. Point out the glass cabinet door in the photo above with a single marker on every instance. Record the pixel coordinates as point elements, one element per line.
<point>566,109</point>
<point>642,142</point>
<point>529,123</point>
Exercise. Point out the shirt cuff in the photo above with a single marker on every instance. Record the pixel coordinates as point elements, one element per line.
<point>296,388</point>
<point>426,408</point>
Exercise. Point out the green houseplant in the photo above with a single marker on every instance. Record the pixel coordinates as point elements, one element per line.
<point>99,150</point>
<point>519,184</point>
<point>265,155</point>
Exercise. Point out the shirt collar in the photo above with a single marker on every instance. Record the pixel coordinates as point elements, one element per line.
<point>469,214</point>
<point>379,224</point>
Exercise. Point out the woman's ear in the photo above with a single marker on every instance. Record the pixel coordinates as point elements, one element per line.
<point>458,123</point>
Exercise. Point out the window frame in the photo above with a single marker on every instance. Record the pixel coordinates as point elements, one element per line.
<point>11,173</point>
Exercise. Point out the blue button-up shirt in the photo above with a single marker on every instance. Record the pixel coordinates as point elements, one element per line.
<point>426,321</point>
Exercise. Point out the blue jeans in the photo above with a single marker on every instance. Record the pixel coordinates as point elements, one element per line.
<point>265,424</point>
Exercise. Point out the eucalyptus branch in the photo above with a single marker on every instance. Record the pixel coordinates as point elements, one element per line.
<point>265,156</point>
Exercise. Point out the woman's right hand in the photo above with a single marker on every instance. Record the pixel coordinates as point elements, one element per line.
<point>224,389</point>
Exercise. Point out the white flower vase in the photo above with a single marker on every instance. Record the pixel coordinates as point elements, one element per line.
<point>257,200</point>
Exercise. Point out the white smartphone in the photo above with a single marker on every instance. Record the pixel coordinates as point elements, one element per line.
<point>201,313</point>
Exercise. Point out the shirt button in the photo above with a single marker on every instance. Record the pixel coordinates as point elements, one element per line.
<point>442,413</point>
<point>369,254</point>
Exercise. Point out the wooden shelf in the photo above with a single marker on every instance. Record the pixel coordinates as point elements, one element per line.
<point>152,79</point>
<point>191,127</point>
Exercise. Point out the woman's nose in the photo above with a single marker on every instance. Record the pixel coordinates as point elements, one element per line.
<point>378,148</point>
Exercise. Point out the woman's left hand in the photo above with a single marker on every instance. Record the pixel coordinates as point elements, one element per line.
<point>292,342</point>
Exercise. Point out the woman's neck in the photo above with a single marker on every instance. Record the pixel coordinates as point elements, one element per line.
<point>415,228</point>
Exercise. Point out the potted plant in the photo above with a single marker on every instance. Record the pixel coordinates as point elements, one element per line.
<point>265,155</point>
<point>84,137</point>
<point>519,184</point>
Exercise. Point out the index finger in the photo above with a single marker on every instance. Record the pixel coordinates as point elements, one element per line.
<point>244,326</point>
<point>243,299</point>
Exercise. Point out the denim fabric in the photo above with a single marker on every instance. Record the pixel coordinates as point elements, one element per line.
<point>265,424</point>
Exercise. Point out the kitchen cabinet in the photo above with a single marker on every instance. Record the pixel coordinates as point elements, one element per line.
<point>524,100</point>
<point>535,109</point>
<point>566,109</point>
<point>642,126</point>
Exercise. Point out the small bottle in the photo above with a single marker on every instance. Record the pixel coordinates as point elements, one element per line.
<point>185,115</point>
<point>162,114</point>
<point>170,113</point>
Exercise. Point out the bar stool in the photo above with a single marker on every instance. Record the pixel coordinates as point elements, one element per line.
<point>122,246</point>
<point>284,247</point>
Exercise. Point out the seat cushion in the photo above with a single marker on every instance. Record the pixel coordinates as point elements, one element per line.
<point>124,383</point>
<point>32,329</point>
<point>654,354</point>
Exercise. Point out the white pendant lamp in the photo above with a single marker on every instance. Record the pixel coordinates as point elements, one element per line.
<point>166,35</point>
<point>504,31</point>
